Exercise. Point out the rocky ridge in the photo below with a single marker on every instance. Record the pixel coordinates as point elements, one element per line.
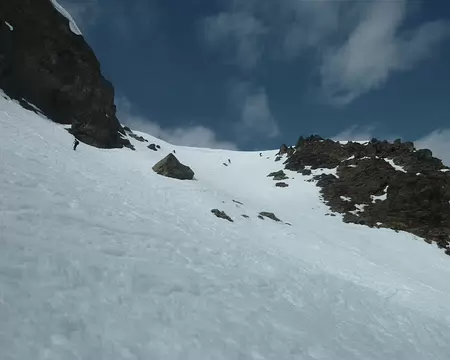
<point>380,184</point>
<point>45,63</point>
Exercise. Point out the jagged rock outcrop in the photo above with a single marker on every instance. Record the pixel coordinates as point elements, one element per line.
<point>381,184</point>
<point>283,149</point>
<point>44,63</point>
<point>171,167</point>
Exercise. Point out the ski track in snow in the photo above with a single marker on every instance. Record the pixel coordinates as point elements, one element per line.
<point>103,259</point>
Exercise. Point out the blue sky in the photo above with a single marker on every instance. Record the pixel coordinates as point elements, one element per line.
<point>253,74</point>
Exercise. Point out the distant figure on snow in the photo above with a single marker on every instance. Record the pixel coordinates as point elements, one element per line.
<point>174,152</point>
<point>229,161</point>
<point>75,144</point>
<point>260,154</point>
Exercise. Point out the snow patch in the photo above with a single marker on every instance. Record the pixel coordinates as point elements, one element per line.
<point>445,170</point>
<point>396,167</point>
<point>359,209</point>
<point>73,26</point>
<point>380,197</point>
<point>362,142</point>
<point>324,171</point>
<point>9,25</point>
<point>346,198</point>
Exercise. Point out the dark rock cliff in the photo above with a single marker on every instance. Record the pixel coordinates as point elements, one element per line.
<point>44,63</point>
<point>381,184</point>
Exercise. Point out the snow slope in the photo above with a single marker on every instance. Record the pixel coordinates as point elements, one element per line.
<point>103,259</point>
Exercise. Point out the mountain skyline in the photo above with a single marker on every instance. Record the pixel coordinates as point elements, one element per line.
<point>253,74</point>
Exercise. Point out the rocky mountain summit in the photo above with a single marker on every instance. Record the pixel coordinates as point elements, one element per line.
<point>46,63</point>
<point>380,184</point>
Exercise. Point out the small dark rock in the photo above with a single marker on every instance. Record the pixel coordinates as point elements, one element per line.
<point>159,147</point>
<point>281,184</point>
<point>278,158</point>
<point>138,137</point>
<point>306,172</point>
<point>261,217</point>
<point>153,147</point>
<point>238,202</point>
<point>130,146</point>
<point>278,175</point>
<point>221,215</point>
<point>269,215</point>
<point>245,216</point>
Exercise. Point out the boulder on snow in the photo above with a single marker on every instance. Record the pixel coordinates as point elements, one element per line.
<point>171,167</point>
<point>281,184</point>
<point>221,215</point>
<point>153,147</point>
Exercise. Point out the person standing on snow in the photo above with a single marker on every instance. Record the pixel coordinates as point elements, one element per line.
<point>75,144</point>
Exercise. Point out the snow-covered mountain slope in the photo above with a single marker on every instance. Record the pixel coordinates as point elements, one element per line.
<point>101,258</point>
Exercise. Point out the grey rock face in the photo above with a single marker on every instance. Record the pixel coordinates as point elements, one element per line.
<point>44,63</point>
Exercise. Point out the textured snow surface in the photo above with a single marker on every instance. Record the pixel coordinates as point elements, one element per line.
<point>103,259</point>
<point>73,26</point>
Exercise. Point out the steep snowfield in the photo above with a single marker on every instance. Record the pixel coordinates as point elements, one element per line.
<point>103,259</point>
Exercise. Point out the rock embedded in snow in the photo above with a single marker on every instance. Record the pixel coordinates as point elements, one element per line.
<point>171,167</point>
<point>278,175</point>
<point>269,215</point>
<point>281,184</point>
<point>49,66</point>
<point>221,215</point>
<point>153,147</point>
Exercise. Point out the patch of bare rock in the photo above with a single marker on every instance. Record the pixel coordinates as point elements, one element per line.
<point>381,184</point>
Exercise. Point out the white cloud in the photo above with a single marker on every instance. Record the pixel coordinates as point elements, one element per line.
<point>438,142</point>
<point>359,45</point>
<point>256,114</point>
<point>196,136</point>
<point>355,133</point>
<point>375,49</point>
<point>238,34</point>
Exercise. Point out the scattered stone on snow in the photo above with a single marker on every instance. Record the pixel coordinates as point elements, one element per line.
<point>281,184</point>
<point>278,175</point>
<point>221,215</point>
<point>269,215</point>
